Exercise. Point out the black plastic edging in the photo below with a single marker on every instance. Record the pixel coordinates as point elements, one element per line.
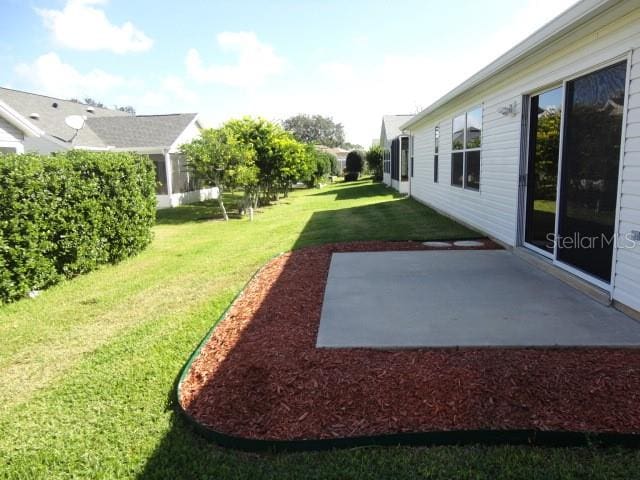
<point>551,438</point>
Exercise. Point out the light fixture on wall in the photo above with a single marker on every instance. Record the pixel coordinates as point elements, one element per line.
<point>509,110</point>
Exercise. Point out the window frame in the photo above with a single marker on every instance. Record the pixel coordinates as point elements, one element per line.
<point>464,150</point>
<point>411,154</point>
<point>436,153</point>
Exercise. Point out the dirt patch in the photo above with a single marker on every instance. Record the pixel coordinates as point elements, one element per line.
<point>260,375</point>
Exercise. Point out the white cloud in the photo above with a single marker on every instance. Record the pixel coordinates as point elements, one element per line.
<point>51,76</point>
<point>80,26</point>
<point>175,85</point>
<point>256,62</point>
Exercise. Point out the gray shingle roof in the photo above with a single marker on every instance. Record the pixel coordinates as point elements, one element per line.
<point>104,127</point>
<point>392,124</point>
<point>142,130</point>
<point>52,118</point>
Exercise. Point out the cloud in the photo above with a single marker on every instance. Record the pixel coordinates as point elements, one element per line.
<point>256,62</point>
<point>80,26</point>
<point>50,76</point>
<point>175,86</point>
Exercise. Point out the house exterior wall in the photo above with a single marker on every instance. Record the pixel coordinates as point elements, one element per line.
<point>10,136</point>
<point>626,282</point>
<point>192,131</point>
<point>494,209</point>
<point>176,199</point>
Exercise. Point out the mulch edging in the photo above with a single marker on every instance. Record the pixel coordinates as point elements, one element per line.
<point>259,382</point>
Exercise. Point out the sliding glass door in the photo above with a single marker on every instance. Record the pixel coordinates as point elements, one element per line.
<point>576,225</point>
<point>590,166</point>
<point>542,174</point>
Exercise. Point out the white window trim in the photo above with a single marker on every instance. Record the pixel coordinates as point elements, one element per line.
<point>464,149</point>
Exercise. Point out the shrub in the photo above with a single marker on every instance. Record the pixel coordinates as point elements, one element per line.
<point>67,214</point>
<point>354,164</point>
<point>333,160</point>
<point>374,162</point>
<point>319,167</point>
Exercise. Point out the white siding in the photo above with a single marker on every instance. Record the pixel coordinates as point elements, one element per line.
<point>192,131</point>
<point>9,134</point>
<point>627,268</point>
<point>494,210</point>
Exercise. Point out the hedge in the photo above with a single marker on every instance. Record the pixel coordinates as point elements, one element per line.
<point>64,215</point>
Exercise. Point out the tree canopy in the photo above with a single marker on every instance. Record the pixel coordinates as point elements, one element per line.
<point>257,156</point>
<point>315,129</point>
<point>96,103</point>
<point>374,161</point>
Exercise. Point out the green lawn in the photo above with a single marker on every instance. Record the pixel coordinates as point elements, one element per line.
<point>88,368</point>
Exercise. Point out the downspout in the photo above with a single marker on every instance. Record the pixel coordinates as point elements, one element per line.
<point>169,175</point>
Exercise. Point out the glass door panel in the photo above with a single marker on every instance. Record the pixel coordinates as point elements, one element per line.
<point>542,176</point>
<point>590,163</point>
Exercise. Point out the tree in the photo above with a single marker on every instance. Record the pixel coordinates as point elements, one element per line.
<point>374,161</point>
<point>315,129</point>
<point>280,158</point>
<point>321,166</point>
<point>128,109</point>
<point>355,162</point>
<point>95,103</point>
<point>218,158</point>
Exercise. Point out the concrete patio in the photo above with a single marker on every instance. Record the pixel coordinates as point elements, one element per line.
<point>481,298</point>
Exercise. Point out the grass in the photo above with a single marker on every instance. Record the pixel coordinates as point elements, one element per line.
<point>88,368</point>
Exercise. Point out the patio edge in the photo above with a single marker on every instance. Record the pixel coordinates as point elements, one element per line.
<point>550,438</point>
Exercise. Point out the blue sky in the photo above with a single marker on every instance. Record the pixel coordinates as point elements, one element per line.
<point>351,60</point>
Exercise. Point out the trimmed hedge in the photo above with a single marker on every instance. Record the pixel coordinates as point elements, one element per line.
<point>64,215</point>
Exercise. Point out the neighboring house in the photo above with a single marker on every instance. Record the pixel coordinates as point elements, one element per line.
<point>541,149</point>
<point>36,123</point>
<point>339,153</point>
<point>395,152</point>
<point>14,130</point>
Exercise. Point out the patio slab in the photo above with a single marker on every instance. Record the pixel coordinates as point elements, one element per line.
<point>465,298</point>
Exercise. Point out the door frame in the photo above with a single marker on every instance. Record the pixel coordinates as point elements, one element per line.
<point>548,88</point>
<point>524,169</point>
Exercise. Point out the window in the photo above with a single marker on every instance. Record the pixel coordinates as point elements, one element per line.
<point>404,159</point>
<point>8,150</point>
<point>161,173</point>
<point>465,144</point>
<point>436,148</point>
<point>412,146</point>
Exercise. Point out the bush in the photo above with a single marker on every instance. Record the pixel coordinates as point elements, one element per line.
<point>319,167</point>
<point>374,162</point>
<point>354,165</point>
<point>334,164</point>
<point>67,214</point>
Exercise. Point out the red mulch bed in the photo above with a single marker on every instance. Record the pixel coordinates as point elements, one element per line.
<point>260,375</point>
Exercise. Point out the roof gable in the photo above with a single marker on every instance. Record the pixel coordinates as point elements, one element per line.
<point>141,131</point>
<point>52,112</point>
<point>391,124</point>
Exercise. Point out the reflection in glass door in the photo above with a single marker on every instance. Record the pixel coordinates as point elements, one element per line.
<point>542,175</point>
<point>590,163</point>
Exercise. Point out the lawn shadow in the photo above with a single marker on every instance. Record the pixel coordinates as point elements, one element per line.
<point>174,456</point>
<point>412,221</point>
<point>355,190</point>
<point>190,213</point>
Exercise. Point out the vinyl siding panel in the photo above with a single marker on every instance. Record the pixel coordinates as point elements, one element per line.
<point>627,264</point>
<point>494,210</point>
<point>9,133</point>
